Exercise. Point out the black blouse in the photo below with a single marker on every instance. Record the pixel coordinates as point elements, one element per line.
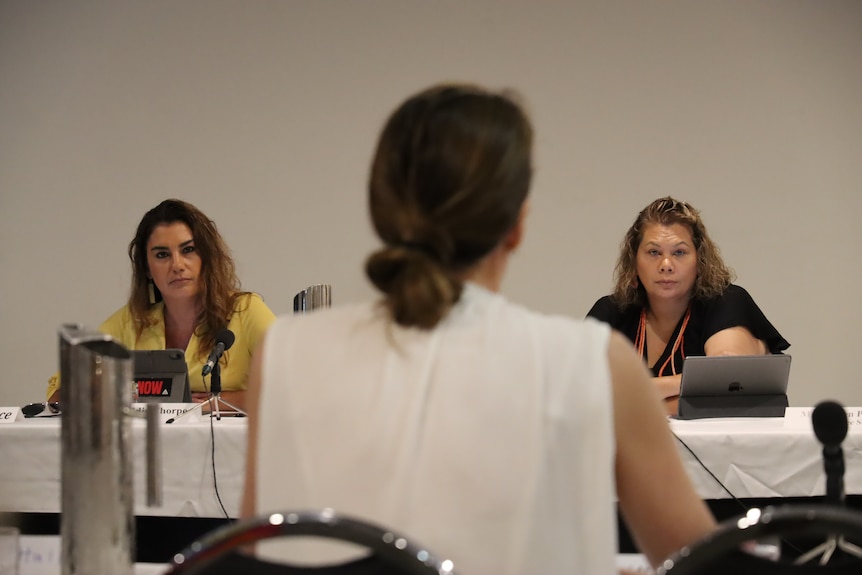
<point>734,308</point>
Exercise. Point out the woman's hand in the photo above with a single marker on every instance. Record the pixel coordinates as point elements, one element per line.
<point>668,389</point>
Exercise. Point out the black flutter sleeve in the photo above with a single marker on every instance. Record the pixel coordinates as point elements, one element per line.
<point>737,308</point>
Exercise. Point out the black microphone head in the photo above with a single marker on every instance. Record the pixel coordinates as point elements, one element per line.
<point>830,423</point>
<point>225,337</point>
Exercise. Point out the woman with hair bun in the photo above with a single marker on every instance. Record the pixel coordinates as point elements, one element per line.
<point>498,436</point>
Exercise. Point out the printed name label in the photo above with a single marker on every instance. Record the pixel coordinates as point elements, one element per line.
<point>170,410</point>
<point>800,418</point>
<point>10,414</point>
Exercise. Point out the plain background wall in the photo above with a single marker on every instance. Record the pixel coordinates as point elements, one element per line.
<point>265,115</point>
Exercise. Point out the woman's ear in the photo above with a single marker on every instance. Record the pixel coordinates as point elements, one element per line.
<point>515,236</point>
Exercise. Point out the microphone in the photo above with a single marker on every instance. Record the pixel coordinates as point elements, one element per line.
<point>829,420</point>
<point>224,339</point>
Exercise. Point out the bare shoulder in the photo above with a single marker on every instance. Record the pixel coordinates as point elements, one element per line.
<point>638,411</point>
<point>627,369</point>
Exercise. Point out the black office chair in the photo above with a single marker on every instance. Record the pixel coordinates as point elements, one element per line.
<point>389,552</point>
<point>719,552</point>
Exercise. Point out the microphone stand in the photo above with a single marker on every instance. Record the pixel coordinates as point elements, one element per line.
<point>828,547</point>
<point>215,395</point>
<point>833,464</point>
<point>214,399</point>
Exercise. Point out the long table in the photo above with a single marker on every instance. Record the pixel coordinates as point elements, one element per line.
<point>756,460</point>
<point>760,458</point>
<point>752,458</point>
<point>192,451</point>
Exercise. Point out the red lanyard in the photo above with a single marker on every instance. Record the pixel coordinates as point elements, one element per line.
<point>640,342</point>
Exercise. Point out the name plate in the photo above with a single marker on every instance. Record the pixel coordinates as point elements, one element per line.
<point>800,418</point>
<point>10,414</point>
<point>170,411</point>
<point>39,555</point>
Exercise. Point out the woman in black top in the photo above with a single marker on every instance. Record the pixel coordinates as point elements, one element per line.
<point>673,297</point>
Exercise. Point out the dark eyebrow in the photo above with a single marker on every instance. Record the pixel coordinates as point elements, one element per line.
<point>182,245</point>
<point>676,245</point>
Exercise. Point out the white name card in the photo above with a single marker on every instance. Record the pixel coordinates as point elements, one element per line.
<point>10,414</point>
<point>39,555</point>
<point>800,418</point>
<point>171,411</point>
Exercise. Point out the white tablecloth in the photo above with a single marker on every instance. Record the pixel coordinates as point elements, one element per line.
<point>761,458</point>
<point>30,467</point>
<point>754,458</point>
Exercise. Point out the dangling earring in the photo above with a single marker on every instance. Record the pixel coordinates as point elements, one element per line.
<point>151,291</point>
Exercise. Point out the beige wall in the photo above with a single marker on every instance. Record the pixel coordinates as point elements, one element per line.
<point>264,113</point>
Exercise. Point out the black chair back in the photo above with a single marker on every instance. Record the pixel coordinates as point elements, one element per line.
<point>721,551</point>
<point>390,553</point>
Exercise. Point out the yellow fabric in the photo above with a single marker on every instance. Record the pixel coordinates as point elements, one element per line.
<point>249,322</point>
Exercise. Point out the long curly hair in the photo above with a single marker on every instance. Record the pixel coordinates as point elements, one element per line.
<point>450,174</point>
<point>713,276</point>
<point>219,284</point>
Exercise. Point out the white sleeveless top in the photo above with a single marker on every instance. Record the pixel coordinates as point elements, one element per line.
<point>488,439</point>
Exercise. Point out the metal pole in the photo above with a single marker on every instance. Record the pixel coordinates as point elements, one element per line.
<point>97,524</point>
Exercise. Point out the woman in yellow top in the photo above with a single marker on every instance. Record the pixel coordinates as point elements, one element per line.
<point>184,290</point>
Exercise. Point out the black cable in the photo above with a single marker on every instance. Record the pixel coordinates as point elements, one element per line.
<point>212,458</point>
<point>711,474</point>
<point>215,478</point>
<point>723,486</point>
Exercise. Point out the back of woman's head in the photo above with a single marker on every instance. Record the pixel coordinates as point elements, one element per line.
<point>449,177</point>
<point>713,276</point>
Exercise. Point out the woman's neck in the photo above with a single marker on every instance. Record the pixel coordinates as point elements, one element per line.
<point>180,322</point>
<point>181,316</point>
<point>489,272</point>
<point>665,315</point>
